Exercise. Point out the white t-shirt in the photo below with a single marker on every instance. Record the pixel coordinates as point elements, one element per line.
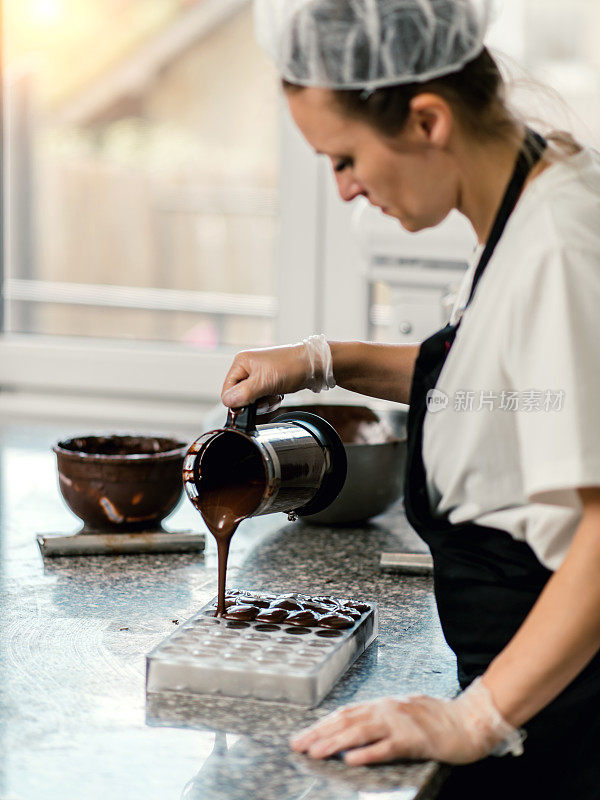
<point>521,428</point>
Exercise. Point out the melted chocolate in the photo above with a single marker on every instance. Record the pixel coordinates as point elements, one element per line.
<point>272,615</point>
<point>350,612</point>
<point>253,600</point>
<point>120,445</point>
<point>320,608</point>
<point>326,601</point>
<point>288,604</point>
<point>243,612</point>
<point>231,484</point>
<point>361,607</point>
<point>354,424</point>
<point>295,609</point>
<point>222,518</point>
<point>336,621</point>
<point>305,617</point>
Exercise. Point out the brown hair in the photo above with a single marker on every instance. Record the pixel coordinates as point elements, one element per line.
<point>476,93</point>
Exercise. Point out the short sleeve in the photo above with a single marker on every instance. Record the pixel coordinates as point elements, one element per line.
<point>552,361</point>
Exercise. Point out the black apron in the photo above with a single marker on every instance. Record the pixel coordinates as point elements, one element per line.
<point>485,584</point>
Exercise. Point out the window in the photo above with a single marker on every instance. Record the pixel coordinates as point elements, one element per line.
<point>142,182</point>
<point>142,142</point>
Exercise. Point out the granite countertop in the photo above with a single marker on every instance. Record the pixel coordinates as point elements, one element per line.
<point>74,721</point>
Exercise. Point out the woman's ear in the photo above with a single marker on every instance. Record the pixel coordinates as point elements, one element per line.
<point>432,118</point>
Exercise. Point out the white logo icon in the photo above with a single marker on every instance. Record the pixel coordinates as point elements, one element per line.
<point>436,400</point>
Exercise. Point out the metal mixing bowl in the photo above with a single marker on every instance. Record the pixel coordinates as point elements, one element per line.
<point>375,443</point>
<point>121,482</point>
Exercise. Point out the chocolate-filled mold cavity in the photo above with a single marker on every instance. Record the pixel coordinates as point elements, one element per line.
<point>297,660</point>
<point>246,613</point>
<point>272,615</point>
<point>293,608</point>
<point>336,621</point>
<point>303,618</point>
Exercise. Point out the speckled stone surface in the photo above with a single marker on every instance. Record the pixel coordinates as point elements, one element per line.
<point>74,721</point>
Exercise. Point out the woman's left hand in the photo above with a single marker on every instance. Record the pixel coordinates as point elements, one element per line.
<point>455,731</point>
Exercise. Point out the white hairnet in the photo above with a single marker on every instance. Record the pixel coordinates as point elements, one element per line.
<point>365,44</point>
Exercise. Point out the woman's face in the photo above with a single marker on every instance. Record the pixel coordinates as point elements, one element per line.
<point>411,176</point>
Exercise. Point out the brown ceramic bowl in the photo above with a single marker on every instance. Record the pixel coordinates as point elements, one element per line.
<point>121,482</point>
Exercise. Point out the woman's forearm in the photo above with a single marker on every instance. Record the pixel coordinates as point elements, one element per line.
<point>560,635</point>
<point>376,370</point>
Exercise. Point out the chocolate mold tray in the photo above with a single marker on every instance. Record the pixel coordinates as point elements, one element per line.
<point>281,663</point>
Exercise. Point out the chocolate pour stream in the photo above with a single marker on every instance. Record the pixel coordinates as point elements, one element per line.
<point>230,484</point>
<point>223,508</point>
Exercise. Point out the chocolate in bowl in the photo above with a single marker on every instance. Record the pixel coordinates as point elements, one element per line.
<point>375,445</point>
<point>121,482</point>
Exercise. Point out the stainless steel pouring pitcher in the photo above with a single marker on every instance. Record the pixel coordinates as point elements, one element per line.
<point>298,460</point>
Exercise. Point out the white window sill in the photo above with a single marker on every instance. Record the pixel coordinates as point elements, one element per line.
<point>95,412</point>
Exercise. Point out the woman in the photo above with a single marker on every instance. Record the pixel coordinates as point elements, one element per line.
<point>408,104</point>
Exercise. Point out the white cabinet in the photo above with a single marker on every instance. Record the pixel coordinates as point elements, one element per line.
<point>410,313</point>
<point>412,278</point>
<point>414,315</point>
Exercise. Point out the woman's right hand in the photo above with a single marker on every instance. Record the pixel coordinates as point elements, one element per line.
<point>266,373</point>
<point>375,370</point>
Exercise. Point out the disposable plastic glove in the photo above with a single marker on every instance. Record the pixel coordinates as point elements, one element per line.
<point>275,371</point>
<point>456,731</point>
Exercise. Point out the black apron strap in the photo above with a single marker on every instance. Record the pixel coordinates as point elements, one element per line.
<point>435,349</point>
<point>530,153</point>
<point>492,564</point>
